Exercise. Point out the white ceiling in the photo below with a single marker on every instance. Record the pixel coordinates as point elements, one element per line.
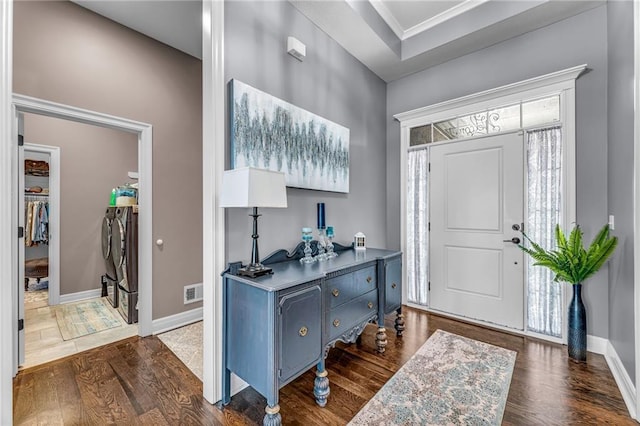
<point>410,36</point>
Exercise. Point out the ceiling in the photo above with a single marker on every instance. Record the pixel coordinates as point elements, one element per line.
<point>408,18</point>
<point>393,38</point>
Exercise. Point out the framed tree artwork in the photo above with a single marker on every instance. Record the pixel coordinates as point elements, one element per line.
<point>269,133</point>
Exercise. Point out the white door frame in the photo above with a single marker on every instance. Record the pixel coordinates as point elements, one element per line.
<point>8,226</point>
<point>560,82</point>
<point>636,199</point>
<point>213,218</point>
<point>54,219</point>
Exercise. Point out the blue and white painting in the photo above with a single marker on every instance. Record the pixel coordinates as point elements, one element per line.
<point>269,133</point>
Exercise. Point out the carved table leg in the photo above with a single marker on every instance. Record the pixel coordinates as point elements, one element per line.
<point>272,418</point>
<point>399,322</point>
<point>381,339</point>
<point>321,385</point>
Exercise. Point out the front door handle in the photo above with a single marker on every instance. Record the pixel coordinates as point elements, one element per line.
<point>514,240</point>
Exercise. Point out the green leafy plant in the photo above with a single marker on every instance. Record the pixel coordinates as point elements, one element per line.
<point>571,262</point>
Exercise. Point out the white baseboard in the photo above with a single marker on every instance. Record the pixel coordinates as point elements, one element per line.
<point>171,322</point>
<point>597,344</point>
<point>624,382</point>
<point>81,295</point>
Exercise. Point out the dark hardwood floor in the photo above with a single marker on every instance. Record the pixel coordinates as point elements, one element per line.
<point>139,381</point>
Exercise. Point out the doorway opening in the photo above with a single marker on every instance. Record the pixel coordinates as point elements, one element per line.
<point>37,109</point>
<point>68,178</point>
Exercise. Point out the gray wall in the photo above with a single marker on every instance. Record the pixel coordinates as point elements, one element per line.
<point>330,83</point>
<point>574,41</point>
<point>620,179</point>
<point>67,54</point>
<point>85,187</point>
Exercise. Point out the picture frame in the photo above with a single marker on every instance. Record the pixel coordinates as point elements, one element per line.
<point>270,133</point>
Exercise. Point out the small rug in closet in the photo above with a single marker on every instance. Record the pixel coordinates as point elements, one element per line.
<point>87,317</point>
<point>451,380</point>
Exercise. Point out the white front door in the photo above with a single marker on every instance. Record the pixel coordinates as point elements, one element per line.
<point>476,204</point>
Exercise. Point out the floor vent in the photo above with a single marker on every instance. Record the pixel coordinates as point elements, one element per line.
<point>192,293</point>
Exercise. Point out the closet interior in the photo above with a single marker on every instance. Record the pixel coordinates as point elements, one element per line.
<point>36,230</point>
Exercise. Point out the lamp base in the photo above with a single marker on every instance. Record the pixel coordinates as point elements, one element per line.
<point>253,272</point>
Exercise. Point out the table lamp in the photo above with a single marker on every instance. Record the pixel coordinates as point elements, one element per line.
<point>253,187</point>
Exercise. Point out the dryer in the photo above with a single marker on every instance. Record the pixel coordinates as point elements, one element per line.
<point>110,277</point>
<point>124,247</point>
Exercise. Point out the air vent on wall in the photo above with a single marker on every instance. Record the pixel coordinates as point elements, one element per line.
<point>192,293</point>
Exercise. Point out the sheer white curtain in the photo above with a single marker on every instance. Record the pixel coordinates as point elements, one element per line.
<point>544,161</point>
<point>417,223</point>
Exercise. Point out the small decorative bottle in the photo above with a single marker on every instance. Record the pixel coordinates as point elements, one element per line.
<point>330,235</point>
<point>322,255</point>
<point>307,236</point>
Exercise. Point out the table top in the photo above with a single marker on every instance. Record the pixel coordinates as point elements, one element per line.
<point>292,272</point>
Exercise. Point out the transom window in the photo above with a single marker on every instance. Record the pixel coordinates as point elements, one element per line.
<point>524,114</point>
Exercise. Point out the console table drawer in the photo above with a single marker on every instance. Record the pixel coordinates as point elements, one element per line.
<point>346,287</point>
<point>351,313</point>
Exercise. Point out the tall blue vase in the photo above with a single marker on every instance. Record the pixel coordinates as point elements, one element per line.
<point>577,342</point>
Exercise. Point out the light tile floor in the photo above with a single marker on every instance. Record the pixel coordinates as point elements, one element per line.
<point>43,341</point>
<point>186,343</point>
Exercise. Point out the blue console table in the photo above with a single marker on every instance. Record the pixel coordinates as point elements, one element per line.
<point>278,326</point>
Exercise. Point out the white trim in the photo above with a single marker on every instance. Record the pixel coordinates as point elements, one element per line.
<point>504,93</point>
<point>54,219</point>
<point>441,18</point>
<point>404,146</point>
<point>8,258</point>
<point>560,82</point>
<point>388,17</point>
<point>636,192</point>
<point>162,325</point>
<point>80,295</point>
<point>213,163</point>
<point>627,389</point>
<point>597,345</point>
<point>431,22</point>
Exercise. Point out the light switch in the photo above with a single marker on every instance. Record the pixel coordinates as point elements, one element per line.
<point>611,222</point>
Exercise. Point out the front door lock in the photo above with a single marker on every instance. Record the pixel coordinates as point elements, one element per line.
<point>514,240</point>
<point>515,227</point>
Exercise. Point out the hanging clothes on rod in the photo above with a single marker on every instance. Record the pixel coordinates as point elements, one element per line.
<point>36,221</point>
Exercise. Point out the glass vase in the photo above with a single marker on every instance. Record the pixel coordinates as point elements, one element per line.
<point>577,339</point>
<point>330,253</point>
<point>307,236</point>
<point>322,255</point>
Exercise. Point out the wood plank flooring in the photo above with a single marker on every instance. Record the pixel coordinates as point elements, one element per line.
<point>140,381</point>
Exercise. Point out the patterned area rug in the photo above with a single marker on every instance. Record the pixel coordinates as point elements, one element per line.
<point>82,318</point>
<point>451,380</point>
<point>186,343</point>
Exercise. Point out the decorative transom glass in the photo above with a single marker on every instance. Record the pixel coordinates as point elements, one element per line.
<point>527,114</point>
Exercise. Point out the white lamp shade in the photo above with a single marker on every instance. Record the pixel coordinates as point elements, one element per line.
<point>252,187</point>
